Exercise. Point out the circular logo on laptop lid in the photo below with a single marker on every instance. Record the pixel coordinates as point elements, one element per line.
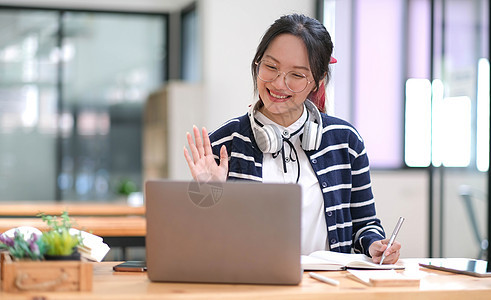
<point>205,194</point>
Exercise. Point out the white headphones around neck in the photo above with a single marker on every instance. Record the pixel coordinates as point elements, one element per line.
<point>269,138</point>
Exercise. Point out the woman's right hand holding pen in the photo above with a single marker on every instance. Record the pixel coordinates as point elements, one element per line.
<point>378,248</point>
<point>201,162</point>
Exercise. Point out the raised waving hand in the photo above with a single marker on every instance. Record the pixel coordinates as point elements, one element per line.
<point>201,162</point>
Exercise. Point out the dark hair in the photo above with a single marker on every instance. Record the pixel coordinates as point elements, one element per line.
<point>315,37</point>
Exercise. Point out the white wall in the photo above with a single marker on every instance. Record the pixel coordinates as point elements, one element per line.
<point>404,193</point>
<point>231,31</point>
<point>185,102</point>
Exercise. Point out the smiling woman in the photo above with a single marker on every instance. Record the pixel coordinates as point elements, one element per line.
<point>286,138</point>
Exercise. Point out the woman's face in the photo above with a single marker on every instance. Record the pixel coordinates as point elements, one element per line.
<point>289,54</point>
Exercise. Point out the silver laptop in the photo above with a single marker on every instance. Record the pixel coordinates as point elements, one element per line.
<point>231,232</point>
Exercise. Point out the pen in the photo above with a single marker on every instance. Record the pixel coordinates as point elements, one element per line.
<point>323,278</point>
<point>393,236</point>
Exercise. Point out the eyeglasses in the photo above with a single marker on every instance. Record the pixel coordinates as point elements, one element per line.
<point>294,81</point>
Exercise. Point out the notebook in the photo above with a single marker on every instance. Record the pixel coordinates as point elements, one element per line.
<point>330,260</point>
<point>231,232</point>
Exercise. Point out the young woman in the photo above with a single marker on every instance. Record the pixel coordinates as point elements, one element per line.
<point>285,137</point>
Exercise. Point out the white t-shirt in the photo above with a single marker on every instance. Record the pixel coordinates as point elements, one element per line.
<point>314,229</point>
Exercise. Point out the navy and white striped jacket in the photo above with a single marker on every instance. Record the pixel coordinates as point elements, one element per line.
<point>342,169</point>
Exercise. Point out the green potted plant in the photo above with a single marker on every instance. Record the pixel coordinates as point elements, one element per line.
<point>54,244</point>
<point>60,244</point>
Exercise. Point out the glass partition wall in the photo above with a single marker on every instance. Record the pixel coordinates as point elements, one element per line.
<point>28,104</point>
<point>72,89</point>
<point>422,67</point>
<point>460,131</point>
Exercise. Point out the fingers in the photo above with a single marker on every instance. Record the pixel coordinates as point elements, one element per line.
<point>206,142</point>
<point>199,141</point>
<point>392,258</point>
<point>199,146</point>
<point>192,147</point>
<point>190,162</point>
<point>224,158</point>
<point>384,242</point>
<point>378,248</point>
<point>188,158</point>
<point>383,246</point>
<point>396,246</point>
<point>392,253</point>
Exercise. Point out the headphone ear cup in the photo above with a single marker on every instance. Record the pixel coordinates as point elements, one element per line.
<point>269,139</point>
<point>313,139</point>
<point>309,136</point>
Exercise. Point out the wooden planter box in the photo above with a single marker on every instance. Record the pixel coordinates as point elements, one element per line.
<point>19,276</point>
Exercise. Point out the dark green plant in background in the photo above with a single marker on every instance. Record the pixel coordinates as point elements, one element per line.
<point>126,187</point>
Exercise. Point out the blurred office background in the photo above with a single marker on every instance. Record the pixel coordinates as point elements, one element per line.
<point>96,97</point>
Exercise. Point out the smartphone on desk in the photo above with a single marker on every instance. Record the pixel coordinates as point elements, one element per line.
<point>131,266</point>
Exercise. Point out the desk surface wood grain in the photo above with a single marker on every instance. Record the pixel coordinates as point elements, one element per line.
<point>105,226</point>
<point>33,208</point>
<point>107,284</point>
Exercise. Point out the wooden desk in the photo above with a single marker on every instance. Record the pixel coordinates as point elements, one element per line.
<point>435,285</point>
<point>119,226</point>
<point>32,208</point>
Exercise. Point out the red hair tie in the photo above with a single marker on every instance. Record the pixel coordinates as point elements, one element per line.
<point>318,97</point>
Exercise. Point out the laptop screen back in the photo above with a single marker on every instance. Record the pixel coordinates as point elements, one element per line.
<point>231,232</point>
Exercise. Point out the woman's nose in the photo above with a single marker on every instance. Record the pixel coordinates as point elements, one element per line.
<point>280,81</point>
